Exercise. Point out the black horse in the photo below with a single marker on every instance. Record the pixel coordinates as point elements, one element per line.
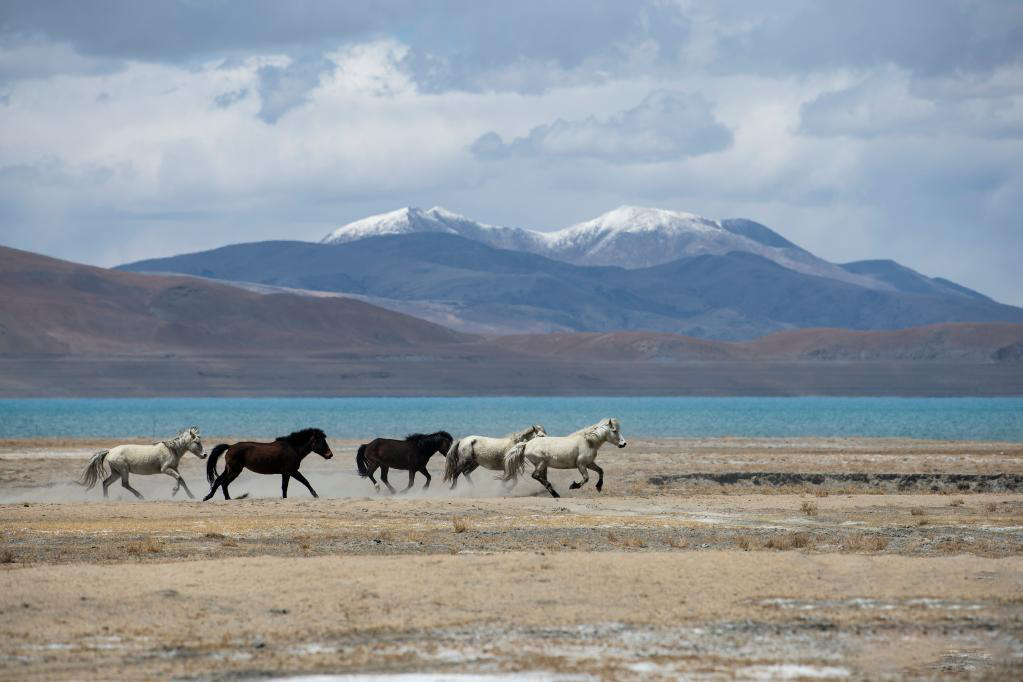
<point>412,454</point>
<point>283,456</point>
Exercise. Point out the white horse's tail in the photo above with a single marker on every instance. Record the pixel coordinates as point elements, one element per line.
<point>451,466</point>
<point>94,470</point>
<point>514,462</point>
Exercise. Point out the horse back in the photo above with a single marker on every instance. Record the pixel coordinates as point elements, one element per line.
<point>262,458</point>
<point>391,453</point>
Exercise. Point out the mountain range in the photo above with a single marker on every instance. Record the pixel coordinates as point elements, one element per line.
<point>629,269</point>
<point>72,329</point>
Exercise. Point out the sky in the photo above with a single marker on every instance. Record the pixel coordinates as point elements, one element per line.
<point>866,129</point>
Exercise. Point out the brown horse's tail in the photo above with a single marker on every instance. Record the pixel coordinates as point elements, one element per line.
<point>451,466</point>
<point>94,470</point>
<point>211,463</point>
<point>360,461</point>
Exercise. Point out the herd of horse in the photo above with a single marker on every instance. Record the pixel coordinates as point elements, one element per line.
<point>284,456</point>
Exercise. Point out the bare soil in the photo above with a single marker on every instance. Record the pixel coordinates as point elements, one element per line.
<point>679,568</point>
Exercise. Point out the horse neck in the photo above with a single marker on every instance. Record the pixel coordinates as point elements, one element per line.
<point>521,435</point>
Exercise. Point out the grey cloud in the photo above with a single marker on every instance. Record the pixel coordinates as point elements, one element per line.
<point>282,88</point>
<point>226,99</point>
<point>665,126</point>
<point>923,36</point>
<point>890,104</point>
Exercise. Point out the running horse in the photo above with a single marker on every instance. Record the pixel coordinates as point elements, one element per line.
<point>471,452</point>
<point>283,456</point>
<point>159,458</point>
<point>575,451</point>
<point>412,454</point>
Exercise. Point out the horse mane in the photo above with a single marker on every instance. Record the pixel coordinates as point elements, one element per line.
<point>516,436</point>
<point>418,438</point>
<point>302,437</point>
<point>177,442</point>
<point>592,428</point>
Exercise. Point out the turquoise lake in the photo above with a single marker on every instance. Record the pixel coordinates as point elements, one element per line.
<point>930,418</point>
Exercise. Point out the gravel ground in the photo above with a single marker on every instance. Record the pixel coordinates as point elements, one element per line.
<point>679,568</point>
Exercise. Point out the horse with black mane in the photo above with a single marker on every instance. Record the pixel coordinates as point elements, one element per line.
<point>283,456</point>
<point>412,454</point>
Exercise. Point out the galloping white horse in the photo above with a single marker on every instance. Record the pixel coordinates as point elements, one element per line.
<point>158,458</point>
<point>576,451</point>
<point>471,452</point>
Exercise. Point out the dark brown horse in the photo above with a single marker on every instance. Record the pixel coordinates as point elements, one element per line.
<point>412,453</point>
<point>283,456</point>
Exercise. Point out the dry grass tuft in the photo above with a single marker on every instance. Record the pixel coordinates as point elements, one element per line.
<point>917,511</point>
<point>866,543</point>
<point>954,545</point>
<point>922,522</point>
<point>384,535</point>
<point>744,542</point>
<point>991,506</point>
<point>215,536</point>
<point>228,542</point>
<point>144,547</point>
<point>809,508</point>
<point>957,502</point>
<point>6,556</point>
<point>789,541</point>
<point>460,525</point>
<point>678,542</point>
<point>613,537</point>
<point>820,493</point>
<point>634,541</point>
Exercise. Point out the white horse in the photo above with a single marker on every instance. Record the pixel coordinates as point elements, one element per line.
<point>158,458</point>
<point>576,451</point>
<point>471,452</point>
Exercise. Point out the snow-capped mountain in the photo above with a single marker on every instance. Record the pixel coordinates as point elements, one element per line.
<point>410,220</point>
<point>628,236</point>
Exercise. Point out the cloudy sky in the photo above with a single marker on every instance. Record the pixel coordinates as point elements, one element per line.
<point>863,129</point>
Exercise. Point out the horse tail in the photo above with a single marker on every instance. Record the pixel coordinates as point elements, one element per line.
<point>211,463</point>
<point>451,466</point>
<point>94,470</point>
<point>360,461</point>
<point>514,462</point>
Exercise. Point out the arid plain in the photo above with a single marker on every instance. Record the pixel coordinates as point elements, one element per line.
<point>712,559</point>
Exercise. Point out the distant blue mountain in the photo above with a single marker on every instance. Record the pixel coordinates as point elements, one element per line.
<point>470,285</point>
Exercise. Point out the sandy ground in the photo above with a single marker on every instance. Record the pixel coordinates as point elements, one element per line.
<point>664,574</point>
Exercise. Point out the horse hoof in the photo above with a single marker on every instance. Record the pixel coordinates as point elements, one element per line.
<point>574,486</point>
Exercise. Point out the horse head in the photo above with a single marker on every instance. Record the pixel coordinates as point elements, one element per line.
<point>190,441</point>
<point>614,432</point>
<point>318,444</point>
<point>539,431</point>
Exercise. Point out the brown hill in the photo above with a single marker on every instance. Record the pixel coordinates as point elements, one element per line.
<point>72,330</point>
<point>979,342</point>
<point>985,342</point>
<point>54,306</point>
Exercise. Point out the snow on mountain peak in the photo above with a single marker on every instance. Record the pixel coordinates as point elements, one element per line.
<point>402,221</point>
<point>643,219</point>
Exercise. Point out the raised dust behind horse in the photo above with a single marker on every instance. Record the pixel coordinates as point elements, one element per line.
<point>411,454</point>
<point>282,456</point>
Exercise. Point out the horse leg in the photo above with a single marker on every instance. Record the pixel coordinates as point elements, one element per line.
<point>383,477</point>
<point>411,479</point>
<point>284,485</point>
<point>179,482</point>
<point>586,477</point>
<point>426,473</point>
<point>473,466</point>
<point>540,474</point>
<point>600,472</point>
<point>223,480</point>
<point>114,475</point>
<point>124,484</point>
<point>301,479</point>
